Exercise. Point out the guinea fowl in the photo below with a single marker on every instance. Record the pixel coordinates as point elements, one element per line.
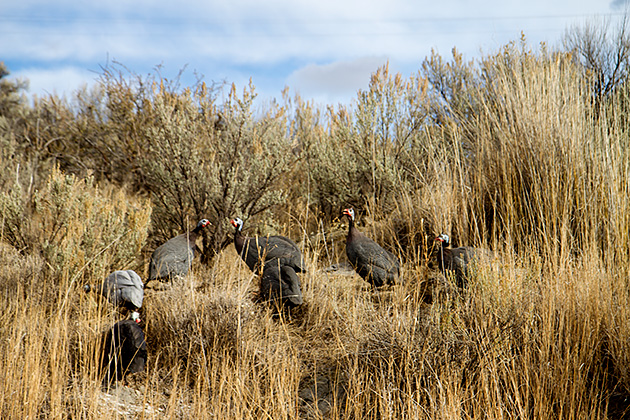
<point>264,248</point>
<point>373,263</point>
<point>124,289</point>
<point>457,260</point>
<point>174,257</point>
<point>280,285</point>
<point>124,350</point>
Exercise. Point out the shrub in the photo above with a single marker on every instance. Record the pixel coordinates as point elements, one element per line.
<point>79,228</point>
<point>218,165</point>
<point>366,156</point>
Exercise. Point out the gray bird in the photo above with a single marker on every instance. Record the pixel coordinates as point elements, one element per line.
<point>124,350</point>
<point>174,257</point>
<point>374,264</point>
<point>259,249</point>
<point>124,289</point>
<point>280,285</point>
<point>457,261</point>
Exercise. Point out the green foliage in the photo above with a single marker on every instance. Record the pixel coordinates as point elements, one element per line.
<point>12,101</point>
<point>101,130</point>
<point>218,165</point>
<point>15,120</point>
<point>79,228</point>
<point>14,223</point>
<point>450,86</point>
<point>371,155</point>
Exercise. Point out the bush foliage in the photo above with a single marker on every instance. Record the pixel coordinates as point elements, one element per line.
<point>77,227</point>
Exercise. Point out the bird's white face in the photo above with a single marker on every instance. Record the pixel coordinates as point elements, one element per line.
<point>349,213</point>
<point>204,223</point>
<point>443,237</point>
<point>135,316</point>
<point>237,223</point>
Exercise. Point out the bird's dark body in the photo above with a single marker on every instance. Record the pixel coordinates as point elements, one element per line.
<point>374,264</point>
<point>124,288</point>
<point>124,349</point>
<point>174,257</point>
<point>457,261</point>
<point>258,249</point>
<point>280,285</point>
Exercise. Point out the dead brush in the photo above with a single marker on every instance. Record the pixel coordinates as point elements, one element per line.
<point>190,329</point>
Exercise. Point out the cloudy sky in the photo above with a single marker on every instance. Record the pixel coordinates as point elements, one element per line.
<point>324,50</point>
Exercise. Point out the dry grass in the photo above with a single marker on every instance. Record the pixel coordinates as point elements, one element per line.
<point>542,331</point>
<point>522,342</point>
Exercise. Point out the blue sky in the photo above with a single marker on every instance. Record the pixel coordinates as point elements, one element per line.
<point>324,50</point>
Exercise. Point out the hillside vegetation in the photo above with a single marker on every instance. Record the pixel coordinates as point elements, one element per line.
<point>517,152</point>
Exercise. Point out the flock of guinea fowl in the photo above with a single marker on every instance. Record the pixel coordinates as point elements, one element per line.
<point>278,260</point>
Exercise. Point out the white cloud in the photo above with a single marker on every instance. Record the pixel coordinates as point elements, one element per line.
<point>238,39</point>
<point>61,81</point>
<point>619,4</point>
<point>335,82</point>
<point>249,31</point>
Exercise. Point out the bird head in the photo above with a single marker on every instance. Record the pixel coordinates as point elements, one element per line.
<point>135,316</point>
<point>237,223</point>
<point>349,212</point>
<point>443,237</point>
<point>203,223</point>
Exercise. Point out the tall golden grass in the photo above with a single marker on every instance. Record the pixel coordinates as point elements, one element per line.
<point>542,331</point>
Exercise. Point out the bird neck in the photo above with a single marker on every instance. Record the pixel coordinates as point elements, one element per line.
<point>192,235</point>
<point>239,240</point>
<point>443,254</point>
<point>352,230</point>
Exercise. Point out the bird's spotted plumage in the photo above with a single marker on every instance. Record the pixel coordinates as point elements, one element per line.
<point>374,264</point>
<point>258,249</point>
<point>280,285</point>
<point>124,350</point>
<point>174,257</point>
<point>124,288</point>
<point>457,261</point>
